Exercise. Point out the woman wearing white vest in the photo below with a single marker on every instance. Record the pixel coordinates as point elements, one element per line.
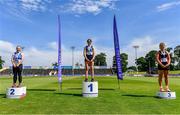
<point>89,55</point>
<point>17,65</point>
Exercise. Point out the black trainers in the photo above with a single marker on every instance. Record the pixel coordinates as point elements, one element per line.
<point>92,80</point>
<point>86,80</point>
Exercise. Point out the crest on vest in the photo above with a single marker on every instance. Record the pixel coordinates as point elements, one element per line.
<point>163,56</point>
<point>89,50</point>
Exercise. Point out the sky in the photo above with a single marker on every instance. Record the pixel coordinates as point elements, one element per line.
<point>33,25</point>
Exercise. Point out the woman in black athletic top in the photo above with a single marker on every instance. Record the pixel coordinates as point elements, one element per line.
<point>164,60</point>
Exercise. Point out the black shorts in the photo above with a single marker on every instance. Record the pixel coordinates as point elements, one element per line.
<point>90,57</point>
<point>161,68</point>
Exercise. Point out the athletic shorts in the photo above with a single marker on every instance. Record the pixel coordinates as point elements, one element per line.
<point>90,57</point>
<point>161,68</point>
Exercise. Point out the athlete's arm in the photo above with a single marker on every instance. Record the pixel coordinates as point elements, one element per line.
<point>20,62</point>
<point>168,59</point>
<point>85,54</point>
<point>157,59</point>
<point>12,61</point>
<point>93,55</point>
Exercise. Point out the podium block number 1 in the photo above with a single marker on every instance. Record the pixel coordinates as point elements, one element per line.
<point>12,92</point>
<point>91,87</point>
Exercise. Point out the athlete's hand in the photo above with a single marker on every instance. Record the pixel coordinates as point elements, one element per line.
<point>14,65</point>
<point>87,60</point>
<point>92,60</point>
<point>163,66</point>
<point>167,65</point>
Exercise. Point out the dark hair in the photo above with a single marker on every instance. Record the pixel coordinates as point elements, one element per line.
<point>89,40</point>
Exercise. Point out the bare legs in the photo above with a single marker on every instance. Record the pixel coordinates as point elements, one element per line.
<point>91,64</point>
<point>165,74</point>
<point>86,67</point>
<point>166,80</point>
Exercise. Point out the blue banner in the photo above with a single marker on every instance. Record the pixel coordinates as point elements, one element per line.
<point>117,51</point>
<point>59,51</point>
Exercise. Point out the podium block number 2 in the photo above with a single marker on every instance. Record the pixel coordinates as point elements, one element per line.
<point>12,91</point>
<point>91,87</point>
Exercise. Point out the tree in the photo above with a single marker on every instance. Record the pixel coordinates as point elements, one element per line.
<point>151,58</point>
<point>172,65</point>
<point>141,64</point>
<point>124,62</point>
<point>177,56</point>
<point>148,62</point>
<point>100,60</point>
<point>132,68</point>
<point>1,62</point>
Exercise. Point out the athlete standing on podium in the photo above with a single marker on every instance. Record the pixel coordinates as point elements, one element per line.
<point>164,60</point>
<point>89,55</point>
<point>17,65</point>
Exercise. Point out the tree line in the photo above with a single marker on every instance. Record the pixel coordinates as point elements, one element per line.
<point>144,63</point>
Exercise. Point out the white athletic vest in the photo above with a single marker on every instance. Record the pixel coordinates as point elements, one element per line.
<point>17,56</point>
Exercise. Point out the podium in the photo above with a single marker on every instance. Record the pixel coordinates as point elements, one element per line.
<point>90,89</point>
<point>166,95</point>
<point>16,93</point>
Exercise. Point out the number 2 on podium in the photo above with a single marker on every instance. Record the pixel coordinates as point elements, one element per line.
<point>91,87</point>
<point>12,92</point>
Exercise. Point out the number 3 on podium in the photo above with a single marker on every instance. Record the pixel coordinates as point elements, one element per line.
<point>91,87</point>
<point>169,94</point>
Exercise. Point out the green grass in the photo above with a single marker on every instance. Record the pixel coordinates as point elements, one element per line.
<point>175,72</point>
<point>171,72</point>
<point>135,96</point>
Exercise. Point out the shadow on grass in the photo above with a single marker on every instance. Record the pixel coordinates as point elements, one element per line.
<point>98,89</point>
<point>41,90</point>
<point>133,95</point>
<point>74,88</point>
<point>70,94</point>
<point>106,89</point>
<point>2,95</point>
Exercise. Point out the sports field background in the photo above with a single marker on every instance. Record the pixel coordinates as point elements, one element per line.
<point>135,96</point>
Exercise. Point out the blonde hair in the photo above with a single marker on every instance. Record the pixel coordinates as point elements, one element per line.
<point>162,43</point>
<point>18,46</point>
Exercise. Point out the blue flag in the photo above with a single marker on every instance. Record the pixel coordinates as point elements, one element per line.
<point>59,51</point>
<point>117,51</point>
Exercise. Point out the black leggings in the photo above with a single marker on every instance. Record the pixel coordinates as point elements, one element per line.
<point>17,72</point>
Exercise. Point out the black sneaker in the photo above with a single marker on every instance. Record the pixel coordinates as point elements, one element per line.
<point>92,80</point>
<point>86,80</point>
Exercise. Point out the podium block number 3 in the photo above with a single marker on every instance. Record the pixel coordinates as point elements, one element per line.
<point>12,92</point>
<point>169,94</point>
<point>91,87</point>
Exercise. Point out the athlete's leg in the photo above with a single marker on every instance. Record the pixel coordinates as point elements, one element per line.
<point>14,76</point>
<point>160,72</point>
<point>86,69</point>
<point>20,74</point>
<point>92,70</point>
<point>166,72</point>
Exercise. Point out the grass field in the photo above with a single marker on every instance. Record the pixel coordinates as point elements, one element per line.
<point>170,72</point>
<point>135,96</point>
